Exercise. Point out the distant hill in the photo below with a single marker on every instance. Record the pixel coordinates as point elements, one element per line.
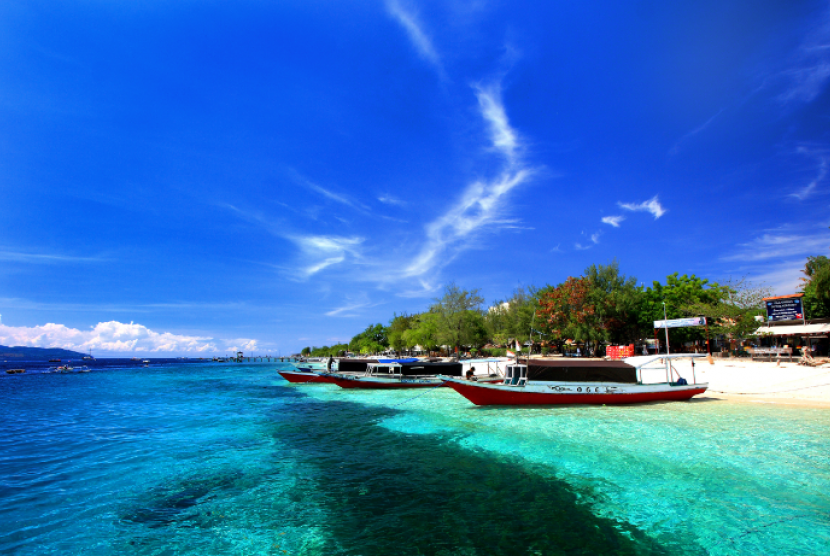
<point>36,354</point>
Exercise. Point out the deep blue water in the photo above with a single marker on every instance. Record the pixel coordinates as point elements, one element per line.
<point>230,459</point>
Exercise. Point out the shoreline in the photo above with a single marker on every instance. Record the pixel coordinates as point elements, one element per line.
<point>774,383</point>
<point>741,380</point>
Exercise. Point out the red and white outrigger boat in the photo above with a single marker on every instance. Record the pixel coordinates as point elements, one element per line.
<point>320,371</point>
<point>570,381</point>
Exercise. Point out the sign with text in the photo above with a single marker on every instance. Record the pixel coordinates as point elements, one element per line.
<point>680,323</point>
<point>788,308</point>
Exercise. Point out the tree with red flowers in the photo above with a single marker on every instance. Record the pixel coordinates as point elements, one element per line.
<point>567,310</point>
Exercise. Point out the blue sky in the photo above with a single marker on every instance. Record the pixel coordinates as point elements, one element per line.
<point>197,177</point>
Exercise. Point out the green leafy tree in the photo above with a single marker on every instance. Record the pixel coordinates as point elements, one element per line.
<point>326,351</point>
<point>452,309</point>
<point>372,340</point>
<point>601,306</point>
<point>397,327</point>
<point>816,287</point>
<point>306,351</point>
<point>423,332</point>
<point>732,308</point>
<point>512,319</point>
<point>616,300</point>
<point>680,294</point>
<point>474,330</point>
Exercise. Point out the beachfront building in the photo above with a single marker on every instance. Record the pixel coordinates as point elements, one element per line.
<point>808,336</point>
<point>787,326</point>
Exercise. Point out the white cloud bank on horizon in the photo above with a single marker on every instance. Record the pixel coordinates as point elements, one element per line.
<point>117,337</point>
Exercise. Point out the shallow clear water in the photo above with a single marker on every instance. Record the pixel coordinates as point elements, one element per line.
<point>233,460</point>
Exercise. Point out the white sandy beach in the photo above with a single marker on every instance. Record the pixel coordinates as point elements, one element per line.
<point>744,380</point>
<point>784,383</point>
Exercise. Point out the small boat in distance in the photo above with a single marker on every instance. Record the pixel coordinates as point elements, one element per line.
<point>15,371</point>
<point>562,381</point>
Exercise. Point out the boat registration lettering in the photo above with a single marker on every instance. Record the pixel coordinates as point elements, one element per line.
<point>560,389</point>
<point>596,389</point>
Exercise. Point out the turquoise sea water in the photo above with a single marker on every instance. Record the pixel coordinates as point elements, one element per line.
<point>231,459</point>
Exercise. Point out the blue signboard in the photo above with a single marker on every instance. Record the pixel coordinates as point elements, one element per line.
<point>788,308</point>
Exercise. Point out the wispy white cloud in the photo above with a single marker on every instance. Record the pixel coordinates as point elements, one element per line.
<point>809,69</point>
<point>781,244</point>
<point>809,189</point>
<point>424,289</point>
<point>503,137</point>
<point>652,205</point>
<point>580,247</point>
<point>484,202</point>
<point>117,337</point>
<point>328,194</point>
<point>317,252</point>
<point>613,220</point>
<point>595,237</point>
<point>676,148</point>
<point>477,210</point>
<point>423,44</point>
<point>782,277</point>
<point>482,209</point>
<point>390,200</point>
<point>320,252</point>
<point>349,310</point>
<point>42,258</point>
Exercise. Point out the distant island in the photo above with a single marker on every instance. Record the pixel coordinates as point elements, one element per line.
<point>38,354</point>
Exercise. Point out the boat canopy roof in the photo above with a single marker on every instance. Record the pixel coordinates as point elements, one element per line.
<point>574,370</point>
<point>422,368</point>
<point>353,365</point>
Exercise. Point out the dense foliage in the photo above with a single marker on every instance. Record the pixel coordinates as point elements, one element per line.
<point>599,307</point>
<point>817,287</point>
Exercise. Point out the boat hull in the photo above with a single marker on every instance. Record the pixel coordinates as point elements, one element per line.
<point>305,377</point>
<point>386,383</point>
<point>511,395</point>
